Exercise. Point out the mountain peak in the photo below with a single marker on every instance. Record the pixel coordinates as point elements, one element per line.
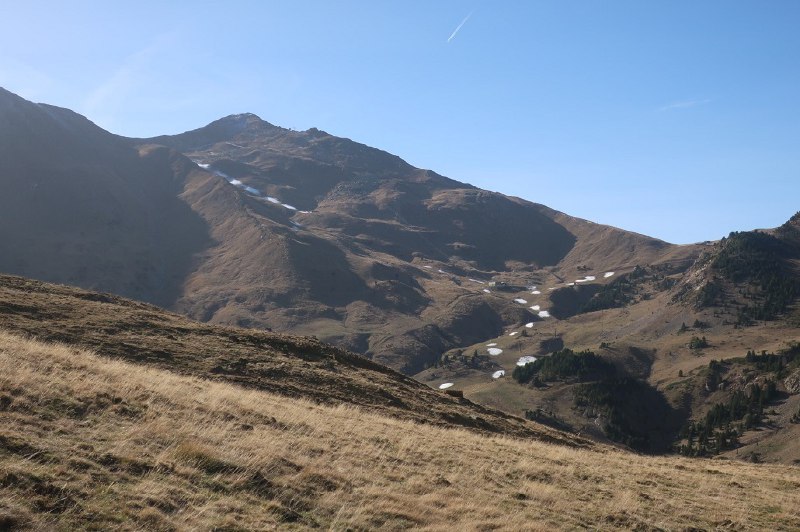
<point>224,129</point>
<point>235,124</point>
<point>244,119</point>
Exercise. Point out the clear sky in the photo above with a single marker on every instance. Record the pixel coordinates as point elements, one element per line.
<point>677,119</point>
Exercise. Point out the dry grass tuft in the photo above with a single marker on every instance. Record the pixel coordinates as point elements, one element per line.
<point>95,443</point>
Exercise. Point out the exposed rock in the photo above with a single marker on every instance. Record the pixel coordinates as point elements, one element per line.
<point>792,382</point>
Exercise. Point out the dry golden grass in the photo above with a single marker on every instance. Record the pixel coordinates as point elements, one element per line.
<point>88,442</point>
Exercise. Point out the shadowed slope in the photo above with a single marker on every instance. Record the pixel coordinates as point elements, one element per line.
<point>84,207</point>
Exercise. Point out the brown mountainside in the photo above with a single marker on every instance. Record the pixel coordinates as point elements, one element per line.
<point>84,207</point>
<point>379,256</point>
<point>292,231</point>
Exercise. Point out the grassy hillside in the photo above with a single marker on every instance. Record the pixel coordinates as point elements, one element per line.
<point>89,442</point>
<point>292,366</point>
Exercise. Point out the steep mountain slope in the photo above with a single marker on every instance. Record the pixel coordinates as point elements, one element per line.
<point>85,207</point>
<point>373,254</point>
<point>92,443</point>
<point>291,231</point>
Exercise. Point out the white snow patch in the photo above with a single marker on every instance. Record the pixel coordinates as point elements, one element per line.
<point>608,274</point>
<point>521,301</point>
<point>544,314</point>
<point>529,325</point>
<point>491,344</point>
<point>241,185</point>
<point>441,271</point>
<point>494,351</point>
<point>273,200</point>
<point>289,207</point>
<point>487,290</point>
<point>499,373</point>
<point>590,277</point>
<point>204,166</point>
<point>536,292</point>
<point>553,288</point>
<point>427,267</point>
<point>527,359</point>
<point>513,333</point>
<point>477,281</point>
<point>570,284</point>
<point>446,385</point>
<point>536,308</point>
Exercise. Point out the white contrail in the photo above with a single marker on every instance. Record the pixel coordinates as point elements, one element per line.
<point>452,35</point>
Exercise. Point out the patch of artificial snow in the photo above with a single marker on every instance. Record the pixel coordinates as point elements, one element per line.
<point>529,325</point>
<point>494,351</point>
<point>536,308</point>
<point>499,373</point>
<point>608,274</point>
<point>544,314</point>
<point>521,301</point>
<point>446,385</point>
<point>527,359</point>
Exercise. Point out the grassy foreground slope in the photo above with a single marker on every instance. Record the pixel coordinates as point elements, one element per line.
<point>90,442</point>
<point>294,366</point>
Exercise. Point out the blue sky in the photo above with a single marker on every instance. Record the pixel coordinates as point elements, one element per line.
<point>677,119</point>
